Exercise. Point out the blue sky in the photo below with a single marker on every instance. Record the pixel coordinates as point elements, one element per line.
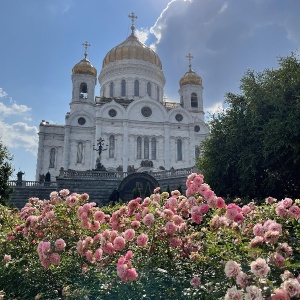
<point>41,42</point>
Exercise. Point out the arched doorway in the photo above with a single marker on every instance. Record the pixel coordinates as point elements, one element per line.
<point>127,185</point>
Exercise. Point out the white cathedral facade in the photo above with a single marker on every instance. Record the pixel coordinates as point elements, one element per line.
<point>130,120</point>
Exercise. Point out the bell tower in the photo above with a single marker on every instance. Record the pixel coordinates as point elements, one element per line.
<point>191,91</point>
<point>84,79</point>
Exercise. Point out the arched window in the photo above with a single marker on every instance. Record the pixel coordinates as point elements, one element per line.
<point>197,152</point>
<point>157,93</point>
<point>52,158</point>
<point>194,100</point>
<point>153,148</point>
<point>111,146</point>
<point>83,90</point>
<point>80,152</point>
<point>146,148</point>
<point>179,149</point>
<point>123,88</point>
<point>111,89</point>
<point>136,88</point>
<point>149,89</point>
<point>139,148</point>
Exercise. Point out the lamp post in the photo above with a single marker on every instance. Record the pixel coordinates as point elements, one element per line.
<point>100,148</point>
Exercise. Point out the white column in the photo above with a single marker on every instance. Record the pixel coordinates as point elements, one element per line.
<point>167,147</point>
<point>191,145</point>
<point>125,145</point>
<point>66,160</point>
<point>39,165</point>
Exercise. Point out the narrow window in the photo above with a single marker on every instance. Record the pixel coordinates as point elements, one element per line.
<point>80,152</point>
<point>149,88</point>
<point>146,148</point>
<point>194,100</point>
<point>111,146</point>
<point>83,90</point>
<point>153,148</point>
<point>123,88</point>
<point>136,88</point>
<point>157,93</point>
<point>139,148</point>
<point>197,152</point>
<point>111,89</point>
<point>52,158</point>
<point>179,149</point>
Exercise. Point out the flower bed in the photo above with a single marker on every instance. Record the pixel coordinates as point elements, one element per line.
<point>191,246</point>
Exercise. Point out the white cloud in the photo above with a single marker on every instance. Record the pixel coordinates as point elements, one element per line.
<point>2,93</point>
<point>19,135</point>
<point>142,34</point>
<point>14,109</point>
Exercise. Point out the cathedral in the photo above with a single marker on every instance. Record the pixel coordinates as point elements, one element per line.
<point>129,126</point>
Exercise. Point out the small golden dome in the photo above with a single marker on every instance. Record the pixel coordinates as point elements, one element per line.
<point>84,67</point>
<point>190,77</point>
<point>132,48</point>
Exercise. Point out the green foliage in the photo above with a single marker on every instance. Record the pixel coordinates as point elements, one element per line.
<point>5,172</point>
<point>254,149</point>
<point>147,191</point>
<point>136,192</point>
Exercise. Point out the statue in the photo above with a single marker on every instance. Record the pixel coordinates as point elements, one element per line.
<point>20,175</point>
<point>100,149</point>
<point>48,177</point>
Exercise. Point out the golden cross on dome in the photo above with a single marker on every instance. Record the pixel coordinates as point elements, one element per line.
<point>86,45</point>
<point>132,16</point>
<point>190,56</point>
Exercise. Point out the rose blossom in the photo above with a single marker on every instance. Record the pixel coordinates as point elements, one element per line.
<point>195,282</point>
<point>60,244</point>
<point>99,216</point>
<point>142,240</point>
<point>232,268</point>
<point>233,294</point>
<point>292,287</point>
<point>98,254</point>
<point>294,211</point>
<point>148,219</point>
<point>253,293</point>
<point>119,243</point>
<point>171,228</point>
<point>280,295</point>
<point>129,234</point>
<point>54,258</point>
<point>6,258</point>
<point>242,279</point>
<point>258,230</point>
<point>259,267</point>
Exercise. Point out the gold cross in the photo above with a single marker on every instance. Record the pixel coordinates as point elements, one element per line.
<point>132,16</point>
<point>86,45</point>
<point>190,56</point>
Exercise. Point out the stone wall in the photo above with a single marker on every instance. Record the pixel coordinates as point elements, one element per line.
<point>99,189</point>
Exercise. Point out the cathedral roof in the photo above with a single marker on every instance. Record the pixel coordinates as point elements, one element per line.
<point>132,48</point>
<point>190,77</point>
<point>84,67</point>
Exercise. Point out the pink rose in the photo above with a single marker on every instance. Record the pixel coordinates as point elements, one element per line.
<point>54,258</point>
<point>171,228</point>
<point>119,243</point>
<point>98,254</point>
<point>142,240</point>
<point>233,294</point>
<point>280,295</point>
<point>294,211</point>
<point>60,244</point>
<point>99,216</point>
<point>195,282</point>
<point>129,234</point>
<point>259,267</point>
<point>148,219</point>
<point>232,268</point>
<point>131,274</point>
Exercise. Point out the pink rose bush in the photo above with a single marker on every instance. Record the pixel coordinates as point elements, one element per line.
<point>192,246</point>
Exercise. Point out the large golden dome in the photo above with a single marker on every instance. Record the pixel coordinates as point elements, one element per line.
<point>132,48</point>
<point>190,77</point>
<point>84,67</point>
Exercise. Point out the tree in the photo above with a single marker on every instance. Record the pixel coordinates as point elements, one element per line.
<point>254,146</point>
<point>5,172</point>
<point>136,192</point>
<point>147,191</point>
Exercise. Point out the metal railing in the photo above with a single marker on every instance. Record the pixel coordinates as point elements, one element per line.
<point>25,183</point>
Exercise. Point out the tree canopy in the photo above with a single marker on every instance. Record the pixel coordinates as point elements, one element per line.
<point>254,146</point>
<point>5,172</point>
